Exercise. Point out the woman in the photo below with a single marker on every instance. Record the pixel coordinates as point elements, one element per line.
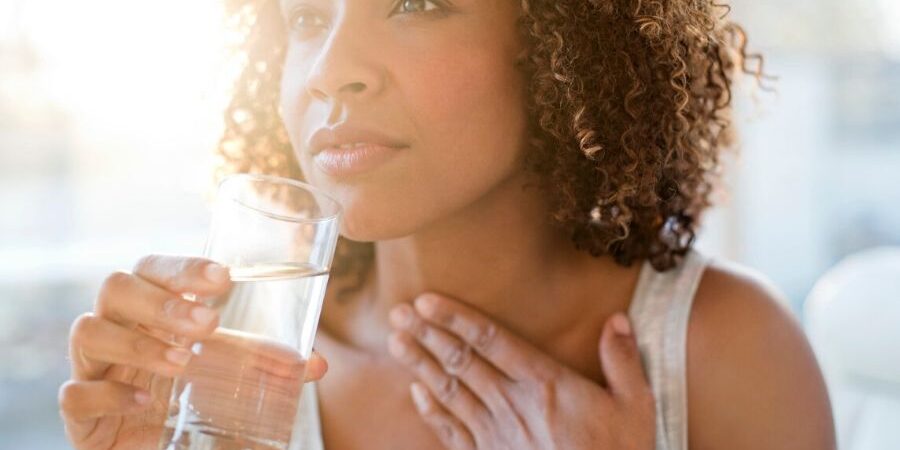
<point>522,182</point>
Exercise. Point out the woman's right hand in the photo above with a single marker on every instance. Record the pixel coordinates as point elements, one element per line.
<point>123,354</point>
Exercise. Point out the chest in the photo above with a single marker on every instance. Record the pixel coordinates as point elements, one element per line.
<point>364,401</point>
<point>367,405</point>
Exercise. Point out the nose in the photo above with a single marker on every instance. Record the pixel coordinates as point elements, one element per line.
<point>342,70</point>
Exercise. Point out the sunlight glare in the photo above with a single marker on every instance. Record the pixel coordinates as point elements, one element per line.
<point>119,66</point>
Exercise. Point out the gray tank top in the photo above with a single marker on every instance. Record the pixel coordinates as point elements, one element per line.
<point>659,310</point>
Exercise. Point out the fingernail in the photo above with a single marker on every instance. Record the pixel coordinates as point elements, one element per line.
<point>420,398</point>
<point>202,315</point>
<point>401,316</point>
<point>215,273</point>
<point>141,397</point>
<point>426,303</point>
<point>621,325</point>
<point>178,356</point>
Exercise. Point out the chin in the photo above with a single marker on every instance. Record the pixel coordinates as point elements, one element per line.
<point>377,210</point>
<point>368,224</point>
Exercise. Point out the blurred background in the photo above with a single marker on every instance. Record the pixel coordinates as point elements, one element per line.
<point>109,113</point>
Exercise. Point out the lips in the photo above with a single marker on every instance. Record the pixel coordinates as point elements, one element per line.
<point>352,160</point>
<point>346,137</point>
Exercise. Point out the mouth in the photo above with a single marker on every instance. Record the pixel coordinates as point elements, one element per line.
<point>348,137</point>
<point>353,146</point>
<point>353,159</point>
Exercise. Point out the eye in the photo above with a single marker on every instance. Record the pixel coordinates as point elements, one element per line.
<point>416,6</point>
<point>305,19</point>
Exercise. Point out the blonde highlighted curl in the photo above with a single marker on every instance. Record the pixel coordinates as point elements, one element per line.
<point>629,116</point>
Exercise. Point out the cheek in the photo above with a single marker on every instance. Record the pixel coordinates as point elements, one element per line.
<point>469,110</point>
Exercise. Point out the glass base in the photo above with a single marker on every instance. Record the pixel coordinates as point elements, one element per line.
<point>205,437</point>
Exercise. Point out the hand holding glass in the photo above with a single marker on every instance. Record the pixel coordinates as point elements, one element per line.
<point>242,387</point>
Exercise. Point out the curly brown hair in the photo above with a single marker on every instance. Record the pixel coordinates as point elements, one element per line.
<point>629,114</point>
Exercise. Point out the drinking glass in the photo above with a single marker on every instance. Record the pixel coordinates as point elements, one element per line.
<point>242,388</point>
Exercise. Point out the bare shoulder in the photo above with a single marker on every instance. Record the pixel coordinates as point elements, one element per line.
<point>753,381</point>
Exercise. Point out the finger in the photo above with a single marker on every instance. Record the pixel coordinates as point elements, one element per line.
<point>95,343</point>
<point>183,275</point>
<point>257,351</point>
<point>621,360</point>
<point>316,368</point>
<point>452,394</point>
<point>83,401</point>
<point>514,356</point>
<point>130,300</point>
<point>450,430</point>
<point>263,360</point>
<point>455,356</point>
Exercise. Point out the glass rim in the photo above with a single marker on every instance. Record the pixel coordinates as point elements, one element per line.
<point>282,180</point>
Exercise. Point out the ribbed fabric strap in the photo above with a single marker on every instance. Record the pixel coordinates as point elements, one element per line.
<point>660,311</point>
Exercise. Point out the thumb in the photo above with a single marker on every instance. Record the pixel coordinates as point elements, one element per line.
<point>316,367</point>
<point>621,360</point>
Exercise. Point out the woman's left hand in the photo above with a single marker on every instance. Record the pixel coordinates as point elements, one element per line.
<point>482,387</point>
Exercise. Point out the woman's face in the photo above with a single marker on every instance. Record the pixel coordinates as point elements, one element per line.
<point>433,80</point>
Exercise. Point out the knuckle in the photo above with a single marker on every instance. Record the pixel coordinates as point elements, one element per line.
<point>446,432</point>
<point>113,287</point>
<point>483,336</point>
<point>458,358</point>
<point>113,284</point>
<point>448,389</point>
<point>67,396</point>
<point>82,328</point>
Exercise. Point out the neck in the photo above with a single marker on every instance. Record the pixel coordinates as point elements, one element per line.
<point>502,256</point>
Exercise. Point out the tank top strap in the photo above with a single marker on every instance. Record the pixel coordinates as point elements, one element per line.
<point>659,311</point>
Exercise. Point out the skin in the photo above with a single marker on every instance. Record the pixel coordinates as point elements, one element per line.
<point>553,373</point>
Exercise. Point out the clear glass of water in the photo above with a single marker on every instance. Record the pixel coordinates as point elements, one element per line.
<point>242,388</point>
